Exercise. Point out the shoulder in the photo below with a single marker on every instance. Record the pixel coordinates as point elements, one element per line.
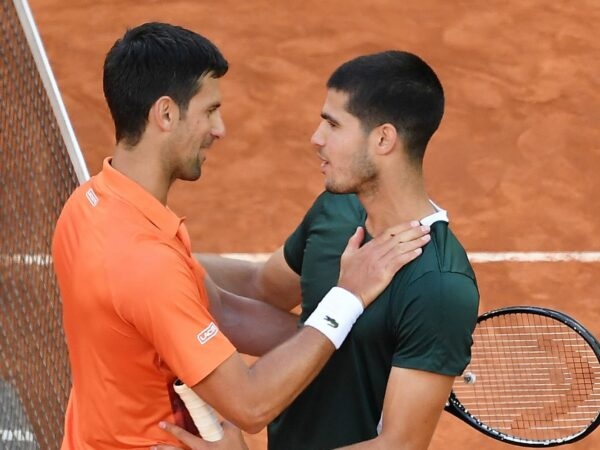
<point>445,293</point>
<point>441,282</point>
<point>152,280</point>
<point>434,324</point>
<point>331,211</point>
<point>147,259</point>
<point>75,202</point>
<point>350,202</point>
<point>444,254</point>
<point>150,270</point>
<point>337,207</point>
<point>331,219</point>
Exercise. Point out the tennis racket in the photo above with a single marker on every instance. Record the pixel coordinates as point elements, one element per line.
<point>202,414</point>
<point>533,380</point>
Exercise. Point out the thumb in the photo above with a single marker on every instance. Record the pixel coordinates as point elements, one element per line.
<point>355,241</point>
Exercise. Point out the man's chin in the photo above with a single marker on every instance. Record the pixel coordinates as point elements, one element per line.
<point>337,189</point>
<point>191,175</point>
<point>332,189</point>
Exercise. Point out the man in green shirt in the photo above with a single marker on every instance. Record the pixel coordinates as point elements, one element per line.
<point>387,385</point>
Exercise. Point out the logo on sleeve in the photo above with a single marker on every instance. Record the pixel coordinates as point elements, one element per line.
<point>208,333</point>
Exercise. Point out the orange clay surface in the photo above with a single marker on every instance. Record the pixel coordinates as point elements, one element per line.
<point>515,161</point>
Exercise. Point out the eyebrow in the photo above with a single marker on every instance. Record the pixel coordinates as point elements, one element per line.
<point>328,118</point>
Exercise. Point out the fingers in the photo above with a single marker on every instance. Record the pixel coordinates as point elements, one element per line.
<point>404,232</point>
<point>182,435</point>
<point>176,431</point>
<point>402,248</point>
<point>397,260</point>
<point>401,228</point>
<point>407,240</point>
<point>355,241</point>
<point>399,246</point>
<point>233,437</point>
<point>367,270</point>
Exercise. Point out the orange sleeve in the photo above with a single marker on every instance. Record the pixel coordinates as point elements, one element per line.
<point>160,296</point>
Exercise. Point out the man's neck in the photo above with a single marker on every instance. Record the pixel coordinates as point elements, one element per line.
<point>395,203</point>
<point>138,164</point>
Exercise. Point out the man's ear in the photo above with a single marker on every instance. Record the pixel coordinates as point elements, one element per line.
<point>385,138</point>
<point>164,113</point>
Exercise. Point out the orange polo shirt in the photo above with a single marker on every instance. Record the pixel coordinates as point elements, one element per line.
<point>135,313</point>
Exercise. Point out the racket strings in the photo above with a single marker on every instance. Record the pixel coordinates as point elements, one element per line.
<point>535,378</point>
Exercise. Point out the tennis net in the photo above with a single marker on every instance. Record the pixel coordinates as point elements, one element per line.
<point>40,165</point>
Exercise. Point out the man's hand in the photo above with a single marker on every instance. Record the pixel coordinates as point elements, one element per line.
<point>366,271</point>
<point>232,439</point>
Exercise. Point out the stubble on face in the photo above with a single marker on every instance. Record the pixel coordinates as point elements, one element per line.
<point>360,177</point>
<point>195,133</point>
<point>193,169</point>
<point>183,167</point>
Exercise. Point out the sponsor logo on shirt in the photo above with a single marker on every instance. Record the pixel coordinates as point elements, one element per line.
<point>331,322</point>
<point>91,196</point>
<point>208,333</point>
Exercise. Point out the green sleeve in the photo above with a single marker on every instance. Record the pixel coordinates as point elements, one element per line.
<point>434,325</point>
<point>293,249</point>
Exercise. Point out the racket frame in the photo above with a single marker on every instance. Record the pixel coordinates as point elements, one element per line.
<point>456,408</point>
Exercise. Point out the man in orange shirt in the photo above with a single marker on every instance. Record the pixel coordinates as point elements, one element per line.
<point>138,309</point>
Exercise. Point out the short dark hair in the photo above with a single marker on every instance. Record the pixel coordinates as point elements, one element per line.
<point>393,87</point>
<point>152,60</point>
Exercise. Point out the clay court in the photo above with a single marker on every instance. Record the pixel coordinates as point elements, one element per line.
<point>515,161</point>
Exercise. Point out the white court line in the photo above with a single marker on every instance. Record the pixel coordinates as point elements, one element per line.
<point>16,435</point>
<point>42,259</point>
<point>34,259</point>
<point>482,257</point>
<point>488,257</point>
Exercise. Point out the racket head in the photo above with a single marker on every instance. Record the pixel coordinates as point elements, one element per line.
<point>533,380</point>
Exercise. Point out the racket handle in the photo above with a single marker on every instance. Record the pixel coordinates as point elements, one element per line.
<point>202,414</point>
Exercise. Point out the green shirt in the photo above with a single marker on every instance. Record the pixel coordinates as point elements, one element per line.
<point>423,320</point>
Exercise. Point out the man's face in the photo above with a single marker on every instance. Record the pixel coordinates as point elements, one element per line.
<point>195,132</point>
<point>343,147</point>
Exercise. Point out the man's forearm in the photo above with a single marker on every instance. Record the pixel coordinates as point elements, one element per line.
<point>254,327</point>
<point>257,394</point>
<point>271,281</point>
<point>234,275</point>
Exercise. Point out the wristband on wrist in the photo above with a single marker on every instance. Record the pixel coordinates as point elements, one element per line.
<point>335,315</point>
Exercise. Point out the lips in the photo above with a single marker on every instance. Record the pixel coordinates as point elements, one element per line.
<point>324,162</point>
<point>324,165</point>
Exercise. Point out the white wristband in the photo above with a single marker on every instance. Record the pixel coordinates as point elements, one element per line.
<point>335,315</point>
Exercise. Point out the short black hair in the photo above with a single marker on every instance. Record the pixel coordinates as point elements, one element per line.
<point>152,60</point>
<point>393,87</point>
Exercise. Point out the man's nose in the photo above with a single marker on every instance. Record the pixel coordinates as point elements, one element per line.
<point>218,129</point>
<point>317,138</point>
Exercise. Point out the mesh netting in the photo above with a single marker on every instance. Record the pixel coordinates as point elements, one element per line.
<point>36,177</point>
